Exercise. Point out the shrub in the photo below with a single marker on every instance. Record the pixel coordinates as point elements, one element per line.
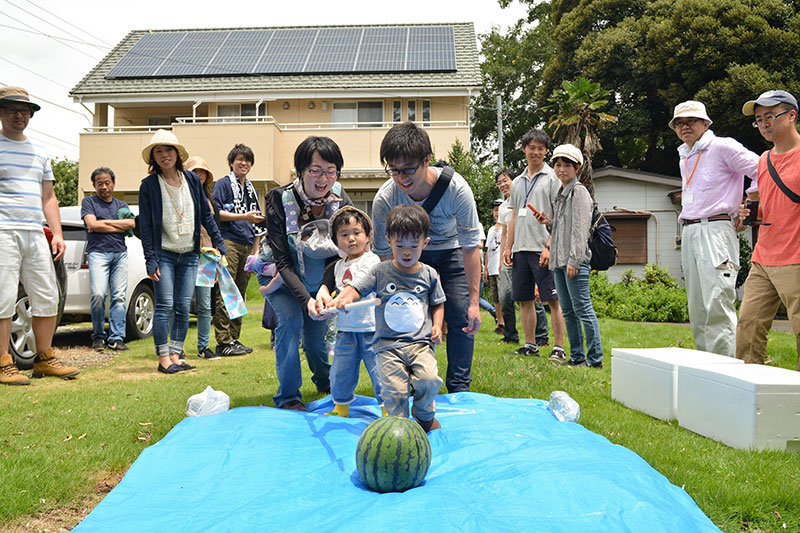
<point>656,298</point>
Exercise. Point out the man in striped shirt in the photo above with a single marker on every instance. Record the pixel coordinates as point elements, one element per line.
<point>26,191</point>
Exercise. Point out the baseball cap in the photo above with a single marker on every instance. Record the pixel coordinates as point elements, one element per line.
<point>769,99</point>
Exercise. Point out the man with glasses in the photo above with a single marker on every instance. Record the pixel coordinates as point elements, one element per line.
<point>26,191</point>
<point>242,225</point>
<point>775,272</point>
<point>712,175</point>
<point>454,249</point>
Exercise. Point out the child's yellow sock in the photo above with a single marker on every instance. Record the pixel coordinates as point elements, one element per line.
<point>383,410</point>
<point>340,410</point>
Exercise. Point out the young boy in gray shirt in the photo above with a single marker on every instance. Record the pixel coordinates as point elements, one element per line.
<point>408,323</point>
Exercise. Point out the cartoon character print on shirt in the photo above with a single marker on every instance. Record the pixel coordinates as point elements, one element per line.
<point>347,277</point>
<point>403,312</point>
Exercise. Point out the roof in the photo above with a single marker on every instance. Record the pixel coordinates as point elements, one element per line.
<point>638,175</point>
<point>96,87</point>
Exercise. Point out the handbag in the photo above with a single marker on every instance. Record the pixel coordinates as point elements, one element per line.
<point>793,196</point>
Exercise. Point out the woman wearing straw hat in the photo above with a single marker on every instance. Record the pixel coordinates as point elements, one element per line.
<point>172,207</point>
<point>199,166</point>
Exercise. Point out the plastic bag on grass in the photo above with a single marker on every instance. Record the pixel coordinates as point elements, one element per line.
<point>208,402</point>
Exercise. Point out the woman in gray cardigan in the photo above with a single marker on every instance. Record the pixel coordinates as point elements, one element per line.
<point>570,256</point>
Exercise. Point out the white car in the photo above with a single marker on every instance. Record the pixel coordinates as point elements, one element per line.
<point>139,299</point>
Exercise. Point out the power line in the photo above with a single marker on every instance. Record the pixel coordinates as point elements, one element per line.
<point>71,24</point>
<point>53,103</point>
<point>37,32</point>
<point>59,40</point>
<point>52,137</point>
<point>34,72</point>
<point>35,16</point>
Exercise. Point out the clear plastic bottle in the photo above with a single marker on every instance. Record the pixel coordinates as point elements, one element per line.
<point>563,407</point>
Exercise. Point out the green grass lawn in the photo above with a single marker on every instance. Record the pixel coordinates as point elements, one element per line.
<point>58,438</point>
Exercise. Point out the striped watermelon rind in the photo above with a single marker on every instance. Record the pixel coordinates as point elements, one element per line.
<point>393,454</point>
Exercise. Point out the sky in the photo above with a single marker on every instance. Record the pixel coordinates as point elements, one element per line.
<point>87,30</point>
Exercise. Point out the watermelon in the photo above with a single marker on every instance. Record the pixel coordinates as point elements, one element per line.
<point>393,454</point>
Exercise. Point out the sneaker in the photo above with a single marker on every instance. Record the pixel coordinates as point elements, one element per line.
<point>598,364</point>
<point>98,344</point>
<point>241,346</point>
<point>528,350</point>
<point>207,354</point>
<point>186,367</point>
<point>558,354</point>
<point>9,373</point>
<point>118,346</point>
<point>430,425</point>
<point>500,329</point>
<point>229,350</point>
<point>573,362</point>
<point>47,365</point>
<point>171,369</point>
<point>294,405</point>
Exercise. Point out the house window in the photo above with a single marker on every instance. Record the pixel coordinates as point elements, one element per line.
<point>358,114</point>
<point>161,121</point>
<point>412,110</point>
<point>233,112</point>
<point>630,237</point>
<point>426,113</point>
<point>397,111</point>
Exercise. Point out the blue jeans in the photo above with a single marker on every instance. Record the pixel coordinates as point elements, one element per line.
<point>351,348</point>
<point>293,321</point>
<point>108,274</point>
<point>173,292</point>
<point>579,315</point>
<point>450,266</point>
<point>203,299</point>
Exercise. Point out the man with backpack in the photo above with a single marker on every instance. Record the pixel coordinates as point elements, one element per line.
<point>454,248</point>
<point>775,272</point>
<point>712,171</point>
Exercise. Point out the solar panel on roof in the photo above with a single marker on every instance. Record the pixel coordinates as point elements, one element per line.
<point>290,51</point>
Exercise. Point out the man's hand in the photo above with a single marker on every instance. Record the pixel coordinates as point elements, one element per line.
<point>507,257</point>
<point>473,320</point>
<point>571,271</point>
<point>155,275</point>
<point>59,247</point>
<point>544,258</point>
<point>254,217</point>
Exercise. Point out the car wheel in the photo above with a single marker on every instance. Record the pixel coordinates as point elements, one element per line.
<point>23,343</point>
<point>139,320</point>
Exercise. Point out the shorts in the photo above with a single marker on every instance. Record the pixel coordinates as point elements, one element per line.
<point>494,289</point>
<point>526,275</point>
<point>26,257</point>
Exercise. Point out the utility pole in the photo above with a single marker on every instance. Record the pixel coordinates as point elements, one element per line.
<point>500,129</point>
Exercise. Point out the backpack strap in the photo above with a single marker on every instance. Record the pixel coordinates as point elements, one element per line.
<point>793,196</point>
<point>438,189</point>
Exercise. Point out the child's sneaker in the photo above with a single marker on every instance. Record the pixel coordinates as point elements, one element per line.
<point>528,349</point>
<point>558,354</point>
<point>500,329</point>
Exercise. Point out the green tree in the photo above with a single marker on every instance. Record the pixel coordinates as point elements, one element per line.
<point>576,119</point>
<point>479,175</point>
<point>65,173</point>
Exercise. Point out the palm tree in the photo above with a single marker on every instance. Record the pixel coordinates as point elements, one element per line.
<point>576,120</point>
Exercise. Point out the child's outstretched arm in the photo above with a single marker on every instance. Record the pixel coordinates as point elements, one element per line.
<point>348,295</point>
<point>437,316</point>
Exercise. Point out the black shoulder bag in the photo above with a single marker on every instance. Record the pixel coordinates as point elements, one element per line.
<point>439,188</point>
<point>793,196</point>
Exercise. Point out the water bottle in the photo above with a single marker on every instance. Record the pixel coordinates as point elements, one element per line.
<point>563,407</point>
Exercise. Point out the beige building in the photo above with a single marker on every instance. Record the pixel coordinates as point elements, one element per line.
<point>272,87</point>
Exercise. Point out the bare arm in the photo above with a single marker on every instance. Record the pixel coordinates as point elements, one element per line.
<point>107,225</point>
<point>253,217</point>
<point>509,238</point>
<point>472,268</point>
<point>437,317</point>
<point>53,218</point>
<point>348,295</point>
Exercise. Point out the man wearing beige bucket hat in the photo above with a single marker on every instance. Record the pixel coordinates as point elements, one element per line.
<point>26,192</point>
<point>712,175</point>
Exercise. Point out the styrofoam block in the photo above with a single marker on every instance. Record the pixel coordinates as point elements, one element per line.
<point>743,406</point>
<point>646,379</point>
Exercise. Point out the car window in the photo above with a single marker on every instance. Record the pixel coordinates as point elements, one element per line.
<point>73,233</point>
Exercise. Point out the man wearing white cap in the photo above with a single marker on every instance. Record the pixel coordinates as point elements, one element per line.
<point>26,191</point>
<point>775,273</point>
<point>712,174</point>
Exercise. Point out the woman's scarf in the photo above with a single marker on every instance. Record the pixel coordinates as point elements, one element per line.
<point>305,215</point>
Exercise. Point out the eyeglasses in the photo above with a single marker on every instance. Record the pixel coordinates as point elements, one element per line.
<point>316,172</point>
<point>769,117</point>
<point>24,111</point>
<point>404,171</point>
<point>687,122</point>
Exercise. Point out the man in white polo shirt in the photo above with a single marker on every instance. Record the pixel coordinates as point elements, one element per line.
<point>26,190</point>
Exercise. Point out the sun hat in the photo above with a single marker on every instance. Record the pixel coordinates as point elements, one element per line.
<point>769,99</point>
<point>195,162</point>
<point>166,138</point>
<point>568,151</point>
<point>17,95</point>
<point>691,109</point>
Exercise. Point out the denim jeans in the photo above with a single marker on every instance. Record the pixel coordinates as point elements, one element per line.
<point>352,347</point>
<point>203,299</point>
<point>173,292</point>
<point>108,275</point>
<point>508,305</point>
<point>450,266</point>
<point>579,315</point>
<point>293,321</point>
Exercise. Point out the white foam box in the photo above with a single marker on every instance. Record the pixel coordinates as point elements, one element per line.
<point>743,406</point>
<point>646,379</point>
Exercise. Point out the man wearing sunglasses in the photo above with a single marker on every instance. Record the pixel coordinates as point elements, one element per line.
<point>712,186</point>
<point>775,272</point>
<point>455,234</point>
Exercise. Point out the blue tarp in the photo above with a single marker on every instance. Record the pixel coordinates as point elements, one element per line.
<point>498,465</point>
